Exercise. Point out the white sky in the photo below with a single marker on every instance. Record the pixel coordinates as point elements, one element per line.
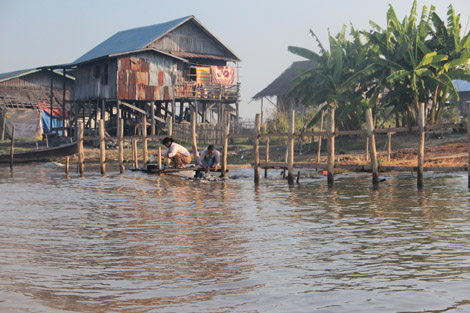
<point>36,33</point>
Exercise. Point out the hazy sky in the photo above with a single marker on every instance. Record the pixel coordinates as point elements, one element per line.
<point>37,33</point>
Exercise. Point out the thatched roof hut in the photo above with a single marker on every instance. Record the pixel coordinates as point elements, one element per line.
<point>281,86</point>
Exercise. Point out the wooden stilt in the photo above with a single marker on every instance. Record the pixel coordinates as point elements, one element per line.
<point>267,158</point>
<point>67,165</point>
<point>81,154</point>
<point>290,146</point>
<point>134,153</point>
<point>121,144</point>
<point>225,153</point>
<point>159,158</point>
<point>102,148</point>
<point>12,146</point>
<point>144,141</point>
<point>331,147</point>
<point>256,134</point>
<point>421,121</point>
<point>372,149</point>
<point>193,132</point>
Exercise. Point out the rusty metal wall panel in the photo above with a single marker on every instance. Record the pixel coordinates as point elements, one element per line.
<point>122,92</point>
<point>160,79</point>
<point>156,93</point>
<point>125,63</point>
<point>122,77</point>
<point>140,92</point>
<point>153,79</point>
<point>131,92</point>
<point>166,93</point>
<point>141,78</point>
<point>131,80</point>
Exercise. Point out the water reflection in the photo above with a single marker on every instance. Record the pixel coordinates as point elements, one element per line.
<point>143,243</point>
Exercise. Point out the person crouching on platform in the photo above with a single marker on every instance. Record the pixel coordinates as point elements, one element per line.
<point>209,158</point>
<point>178,154</point>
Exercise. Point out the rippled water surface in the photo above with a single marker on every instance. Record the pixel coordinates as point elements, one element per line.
<point>141,243</point>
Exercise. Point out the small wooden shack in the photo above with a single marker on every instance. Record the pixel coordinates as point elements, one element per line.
<point>156,72</point>
<point>36,89</point>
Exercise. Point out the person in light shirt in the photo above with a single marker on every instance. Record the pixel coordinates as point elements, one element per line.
<point>178,154</point>
<point>209,158</point>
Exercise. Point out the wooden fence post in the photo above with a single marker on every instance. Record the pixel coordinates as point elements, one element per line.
<point>256,134</point>
<point>144,141</point>
<point>12,146</point>
<point>367,148</point>
<point>194,132</point>
<point>372,148</point>
<point>290,146</point>
<point>121,144</point>
<point>468,141</point>
<point>331,146</point>
<point>320,137</point>
<point>224,160</point>
<point>267,158</point>
<point>389,146</point>
<point>81,154</point>
<point>102,147</point>
<point>421,121</point>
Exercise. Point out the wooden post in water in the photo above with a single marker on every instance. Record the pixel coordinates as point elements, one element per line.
<point>290,147</point>
<point>367,149</point>
<point>12,146</point>
<point>3,125</point>
<point>144,140</point>
<point>320,138</point>
<point>331,147</point>
<point>389,146</point>
<point>81,154</point>
<point>372,149</point>
<point>152,118</point>
<point>102,148</point>
<point>170,134</point>
<point>256,134</point>
<point>468,141</point>
<point>225,154</point>
<point>159,158</point>
<point>421,121</point>
<point>134,153</point>
<point>267,158</point>
<point>67,166</point>
<point>121,144</point>
<point>193,132</point>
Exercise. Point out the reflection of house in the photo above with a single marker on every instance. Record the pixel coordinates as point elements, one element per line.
<point>31,90</point>
<point>155,71</point>
<point>281,86</point>
<point>463,88</point>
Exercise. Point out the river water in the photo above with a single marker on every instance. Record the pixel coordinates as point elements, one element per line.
<point>141,243</point>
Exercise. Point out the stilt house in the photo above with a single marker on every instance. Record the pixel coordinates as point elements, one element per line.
<point>27,96</point>
<point>156,72</point>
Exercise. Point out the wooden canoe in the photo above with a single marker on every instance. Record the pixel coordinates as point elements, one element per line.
<point>41,155</point>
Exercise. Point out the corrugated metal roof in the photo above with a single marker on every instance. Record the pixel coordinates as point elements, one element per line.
<point>130,40</point>
<point>15,74</point>
<point>461,85</point>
